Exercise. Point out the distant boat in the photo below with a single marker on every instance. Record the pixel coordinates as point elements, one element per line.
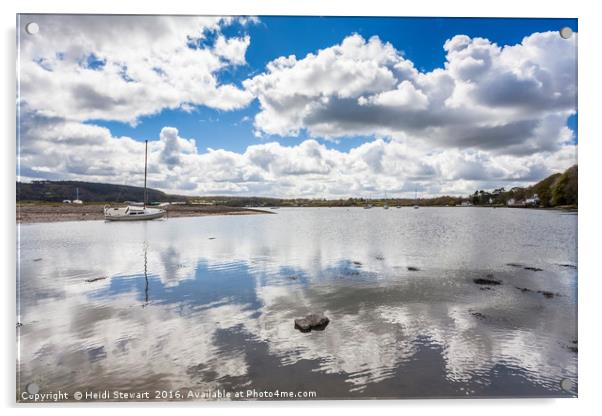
<point>368,206</point>
<point>386,206</point>
<point>77,200</point>
<point>415,198</point>
<point>131,212</point>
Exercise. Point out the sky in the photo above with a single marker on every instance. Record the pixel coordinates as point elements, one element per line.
<point>331,107</point>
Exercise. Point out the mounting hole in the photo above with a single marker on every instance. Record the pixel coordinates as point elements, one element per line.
<point>566,32</point>
<point>32,28</point>
<point>32,388</point>
<point>567,385</point>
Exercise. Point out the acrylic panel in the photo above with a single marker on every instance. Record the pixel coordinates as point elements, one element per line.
<point>295,208</point>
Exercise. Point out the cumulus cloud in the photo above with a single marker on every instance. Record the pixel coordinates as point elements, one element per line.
<point>124,67</point>
<point>59,149</point>
<point>491,116</point>
<point>487,97</point>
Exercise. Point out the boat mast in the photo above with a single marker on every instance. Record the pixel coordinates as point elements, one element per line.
<point>145,162</point>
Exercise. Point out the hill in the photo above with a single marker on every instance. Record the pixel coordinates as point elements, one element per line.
<point>51,191</point>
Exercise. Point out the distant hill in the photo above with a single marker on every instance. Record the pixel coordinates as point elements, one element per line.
<point>57,191</point>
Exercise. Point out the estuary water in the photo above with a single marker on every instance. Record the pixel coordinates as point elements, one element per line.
<point>207,304</point>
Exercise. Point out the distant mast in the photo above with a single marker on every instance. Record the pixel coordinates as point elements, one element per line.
<point>145,161</point>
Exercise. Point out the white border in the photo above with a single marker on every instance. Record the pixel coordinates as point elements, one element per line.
<point>590,291</point>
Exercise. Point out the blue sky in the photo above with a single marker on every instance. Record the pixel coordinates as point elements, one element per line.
<point>420,39</point>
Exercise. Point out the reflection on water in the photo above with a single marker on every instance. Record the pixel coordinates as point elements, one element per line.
<point>209,303</point>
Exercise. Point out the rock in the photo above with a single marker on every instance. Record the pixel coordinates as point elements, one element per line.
<point>317,322</point>
<point>523,289</point>
<point>357,263</point>
<point>488,281</point>
<point>548,294</point>
<point>211,238</point>
<point>413,269</point>
<point>533,269</point>
<point>478,315</point>
<point>570,266</point>
<point>38,259</point>
<point>96,279</point>
<point>514,265</point>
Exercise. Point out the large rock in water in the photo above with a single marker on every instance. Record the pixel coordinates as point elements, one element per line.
<point>317,322</point>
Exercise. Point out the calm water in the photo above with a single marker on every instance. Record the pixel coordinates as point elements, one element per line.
<point>208,303</point>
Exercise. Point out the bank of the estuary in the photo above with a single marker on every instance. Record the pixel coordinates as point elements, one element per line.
<point>48,212</point>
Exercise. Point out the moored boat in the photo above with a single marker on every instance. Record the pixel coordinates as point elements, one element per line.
<point>135,212</point>
<point>132,213</point>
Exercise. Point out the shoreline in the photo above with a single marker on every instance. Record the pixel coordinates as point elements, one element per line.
<point>33,213</point>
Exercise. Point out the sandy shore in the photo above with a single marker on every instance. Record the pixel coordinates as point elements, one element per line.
<point>33,213</point>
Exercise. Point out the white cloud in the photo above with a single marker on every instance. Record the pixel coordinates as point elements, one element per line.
<point>124,67</point>
<point>72,150</point>
<point>487,97</point>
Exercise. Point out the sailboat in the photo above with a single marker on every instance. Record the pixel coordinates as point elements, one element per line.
<point>386,206</point>
<point>133,212</point>
<point>77,200</point>
<point>415,198</point>
<point>368,206</point>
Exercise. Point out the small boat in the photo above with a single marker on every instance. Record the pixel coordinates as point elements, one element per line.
<point>135,212</point>
<point>77,200</point>
<point>132,213</point>
<point>415,199</point>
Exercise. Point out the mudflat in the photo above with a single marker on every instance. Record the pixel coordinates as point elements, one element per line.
<point>44,212</point>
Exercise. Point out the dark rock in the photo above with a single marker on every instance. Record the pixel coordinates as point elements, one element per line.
<point>481,281</point>
<point>38,259</point>
<point>413,269</point>
<point>96,279</point>
<point>357,263</point>
<point>211,238</point>
<point>547,294</point>
<point>478,315</point>
<point>317,322</point>
<point>514,265</point>
<point>570,266</point>
<point>533,269</point>
<point>523,289</point>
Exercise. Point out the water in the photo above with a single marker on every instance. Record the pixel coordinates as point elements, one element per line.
<point>208,303</point>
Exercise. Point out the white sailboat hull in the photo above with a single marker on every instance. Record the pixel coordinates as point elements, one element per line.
<point>133,214</point>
